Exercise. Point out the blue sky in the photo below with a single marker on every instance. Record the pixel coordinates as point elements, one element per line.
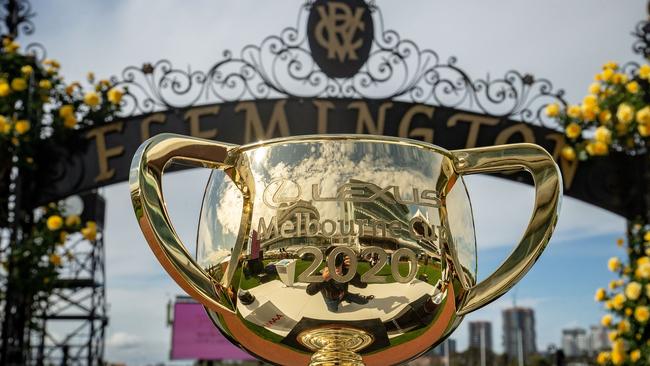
<point>565,41</point>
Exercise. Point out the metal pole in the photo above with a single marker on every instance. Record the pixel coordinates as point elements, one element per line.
<point>446,348</point>
<point>520,345</point>
<point>482,344</point>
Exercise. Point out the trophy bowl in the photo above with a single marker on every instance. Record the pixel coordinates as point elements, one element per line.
<point>337,249</point>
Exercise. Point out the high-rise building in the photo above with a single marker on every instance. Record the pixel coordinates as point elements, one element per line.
<point>574,342</point>
<point>480,335</point>
<point>519,332</point>
<point>598,339</point>
<point>447,347</point>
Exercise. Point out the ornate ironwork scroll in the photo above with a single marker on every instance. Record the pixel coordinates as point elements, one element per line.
<point>17,15</point>
<point>284,66</point>
<point>641,43</point>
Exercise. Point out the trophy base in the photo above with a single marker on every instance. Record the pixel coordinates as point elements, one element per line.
<point>335,346</point>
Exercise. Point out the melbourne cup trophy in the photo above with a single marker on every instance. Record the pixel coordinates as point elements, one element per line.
<point>337,249</point>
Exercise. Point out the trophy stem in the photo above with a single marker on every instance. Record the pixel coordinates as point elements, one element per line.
<point>334,346</point>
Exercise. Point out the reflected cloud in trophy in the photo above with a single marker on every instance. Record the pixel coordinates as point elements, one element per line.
<point>333,249</point>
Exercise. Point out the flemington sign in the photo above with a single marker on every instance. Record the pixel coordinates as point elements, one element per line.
<point>339,71</point>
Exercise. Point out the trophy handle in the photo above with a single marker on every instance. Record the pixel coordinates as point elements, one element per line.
<point>548,195</point>
<point>145,179</point>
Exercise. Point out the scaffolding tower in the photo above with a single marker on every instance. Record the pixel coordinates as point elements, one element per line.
<point>69,324</point>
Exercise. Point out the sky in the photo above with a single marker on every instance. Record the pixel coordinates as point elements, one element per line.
<point>564,41</point>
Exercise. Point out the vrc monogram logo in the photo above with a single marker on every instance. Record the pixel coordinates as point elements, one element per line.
<point>340,35</point>
<point>336,30</point>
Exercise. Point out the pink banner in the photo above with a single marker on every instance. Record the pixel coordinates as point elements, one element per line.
<point>194,336</point>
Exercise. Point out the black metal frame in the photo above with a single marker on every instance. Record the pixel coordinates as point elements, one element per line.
<point>71,321</point>
<point>79,297</point>
<point>282,66</point>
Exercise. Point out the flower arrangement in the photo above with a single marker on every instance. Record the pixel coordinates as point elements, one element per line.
<point>46,247</point>
<point>36,104</point>
<point>628,301</point>
<point>615,116</point>
<point>38,108</point>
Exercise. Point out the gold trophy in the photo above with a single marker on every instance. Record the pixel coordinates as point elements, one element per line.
<point>337,249</point>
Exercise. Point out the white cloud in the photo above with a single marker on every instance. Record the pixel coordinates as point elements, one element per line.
<point>123,340</point>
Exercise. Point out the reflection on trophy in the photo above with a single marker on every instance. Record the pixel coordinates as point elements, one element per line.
<point>331,249</point>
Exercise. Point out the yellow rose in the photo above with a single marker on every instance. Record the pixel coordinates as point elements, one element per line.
<point>27,70</point>
<point>632,87</point>
<point>612,335</point>
<point>552,110</point>
<point>623,326</point>
<point>597,148</point>
<point>5,127</point>
<point>647,290</point>
<point>71,88</point>
<point>641,314</point>
<point>618,301</point>
<point>614,264</point>
<point>619,78</point>
<point>603,134</point>
<point>633,290</point>
<point>607,75</point>
<point>55,259</point>
<point>92,99</point>
<point>628,312</point>
<point>603,358</point>
<point>45,84</point>
<point>643,115</point>
<point>115,96</point>
<point>51,62</point>
<point>22,126</point>
<point>642,260</point>
<point>66,110</point>
<point>625,113</point>
<point>70,121</point>
<point>646,236</point>
<point>644,130</point>
<point>90,231</point>
<point>643,271</point>
<point>594,88</point>
<point>9,45</point>
<point>573,111</point>
<point>610,65</point>
<point>63,236</point>
<point>72,220</point>
<point>590,100</point>
<point>568,153</point>
<point>618,358</point>
<point>613,284</point>
<point>600,294</point>
<point>18,84</point>
<point>644,71</point>
<point>606,321</point>
<point>635,355</point>
<point>573,130</point>
<point>54,222</point>
<point>589,111</point>
<point>4,89</point>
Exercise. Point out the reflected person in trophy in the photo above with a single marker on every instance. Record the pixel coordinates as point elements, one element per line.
<point>336,292</point>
